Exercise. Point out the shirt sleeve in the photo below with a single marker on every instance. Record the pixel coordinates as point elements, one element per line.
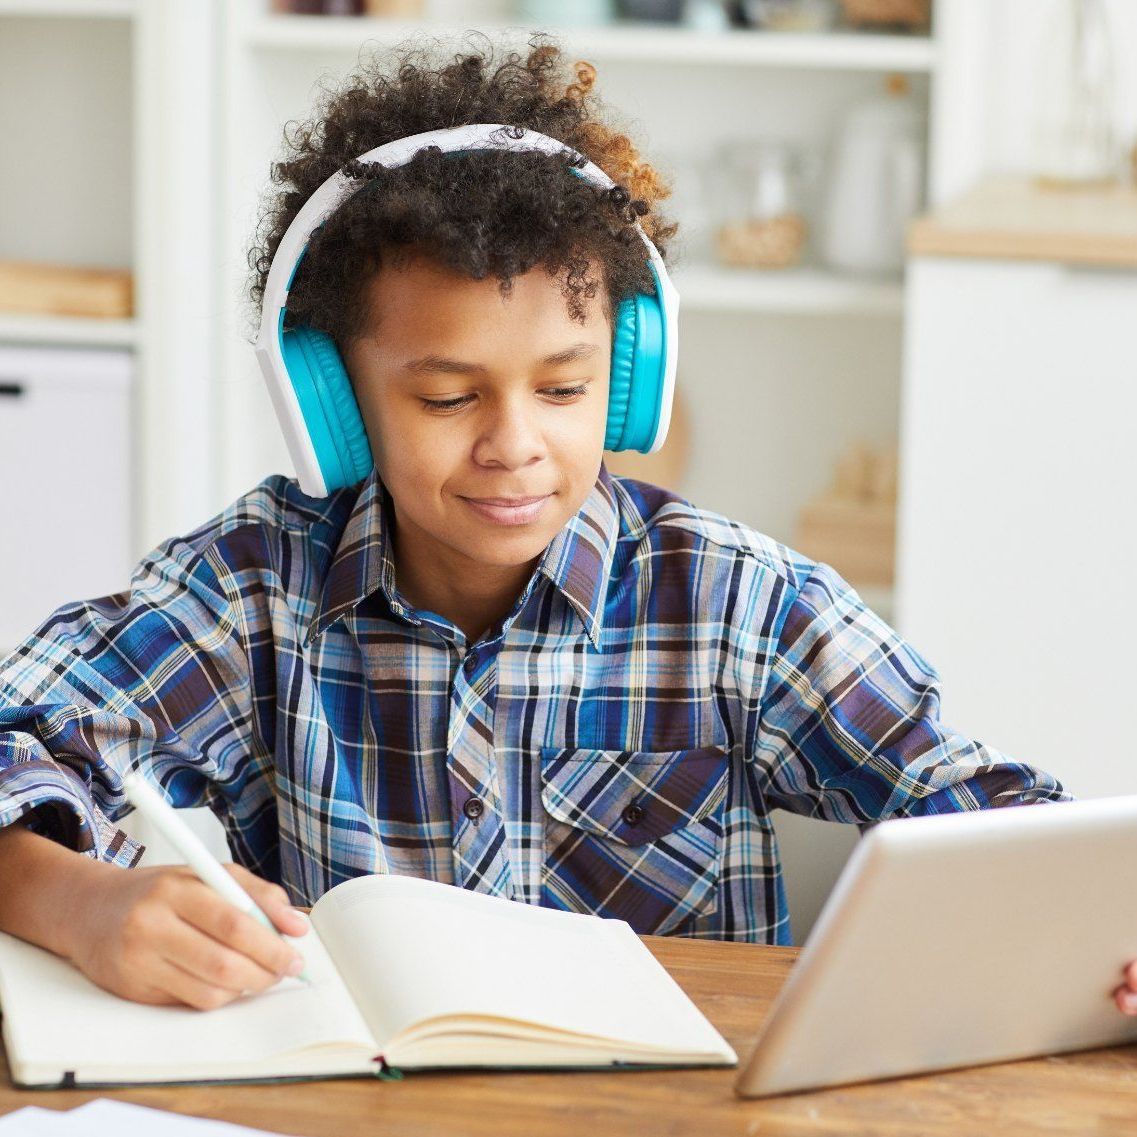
<point>152,679</point>
<point>850,726</point>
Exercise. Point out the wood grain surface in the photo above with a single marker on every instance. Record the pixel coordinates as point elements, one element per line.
<point>1008,217</point>
<point>1094,1092</point>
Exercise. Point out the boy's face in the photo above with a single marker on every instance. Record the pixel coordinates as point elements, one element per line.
<point>466,412</point>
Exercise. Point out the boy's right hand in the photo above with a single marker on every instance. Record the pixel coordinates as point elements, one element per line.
<point>161,935</point>
<point>151,935</point>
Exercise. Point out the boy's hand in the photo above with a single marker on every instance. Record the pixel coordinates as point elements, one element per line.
<point>1125,996</point>
<point>161,935</point>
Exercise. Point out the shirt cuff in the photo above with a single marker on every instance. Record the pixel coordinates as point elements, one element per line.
<point>61,809</point>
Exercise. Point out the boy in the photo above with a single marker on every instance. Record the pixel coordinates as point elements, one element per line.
<point>485,660</point>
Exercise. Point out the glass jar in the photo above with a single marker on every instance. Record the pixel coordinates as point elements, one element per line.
<point>757,193</point>
<point>1074,132</point>
<point>557,14</point>
<point>790,15</point>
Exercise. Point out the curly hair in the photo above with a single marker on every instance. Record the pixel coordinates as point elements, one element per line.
<point>477,212</point>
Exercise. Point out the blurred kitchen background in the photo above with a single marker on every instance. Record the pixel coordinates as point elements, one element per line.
<point>908,270</point>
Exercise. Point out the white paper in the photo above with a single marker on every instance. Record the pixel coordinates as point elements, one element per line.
<point>31,1121</point>
<point>123,1119</point>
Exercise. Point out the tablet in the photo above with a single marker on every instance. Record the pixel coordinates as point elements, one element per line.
<point>957,940</point>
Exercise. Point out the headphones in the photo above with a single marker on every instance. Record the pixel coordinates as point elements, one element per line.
<point>309,385</point>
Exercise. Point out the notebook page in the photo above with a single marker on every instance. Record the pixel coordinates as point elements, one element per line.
<point>56,1016</point>
<point>411,949</point>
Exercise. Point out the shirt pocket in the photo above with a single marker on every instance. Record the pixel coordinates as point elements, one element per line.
<point>634,835</point>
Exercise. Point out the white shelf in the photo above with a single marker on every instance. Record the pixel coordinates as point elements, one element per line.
<point>68,9</point>
<point>67,331</point>
<point>852,51</point>
<point>713,288</point>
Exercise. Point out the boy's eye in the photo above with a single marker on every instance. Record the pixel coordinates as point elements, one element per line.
<point>445,404</point>
<point>566,393</point>
<point>559,394</point>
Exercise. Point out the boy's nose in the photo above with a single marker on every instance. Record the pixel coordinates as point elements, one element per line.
<point>511,437</point>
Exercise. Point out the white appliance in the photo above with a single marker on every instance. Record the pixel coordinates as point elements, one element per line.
<point>65,480</point>
<point>876,182</point>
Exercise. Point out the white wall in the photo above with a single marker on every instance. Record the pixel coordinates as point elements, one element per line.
<point>52,163</point>
<point>1018,28</point>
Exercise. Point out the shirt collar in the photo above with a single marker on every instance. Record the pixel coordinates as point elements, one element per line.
<point>579,558</point>
<point>363,561</point>
<point>576,561</point>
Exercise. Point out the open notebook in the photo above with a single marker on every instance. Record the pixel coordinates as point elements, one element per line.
<point>404,974</point>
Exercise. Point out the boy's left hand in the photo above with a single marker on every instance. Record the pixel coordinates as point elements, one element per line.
<point>1126,995</point>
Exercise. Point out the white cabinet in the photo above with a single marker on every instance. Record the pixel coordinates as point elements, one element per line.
<point>1018,545</point>
<point>65,469</point>
<point>121,94</point>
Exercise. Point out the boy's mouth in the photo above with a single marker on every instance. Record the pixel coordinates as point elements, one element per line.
<point>509,501</point>
<point>508,510</point>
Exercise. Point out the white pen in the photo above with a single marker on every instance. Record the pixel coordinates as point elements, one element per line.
<point>165,819</point>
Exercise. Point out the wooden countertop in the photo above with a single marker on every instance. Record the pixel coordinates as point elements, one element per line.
<point>1009,217</point>
<point>1065,1095</point>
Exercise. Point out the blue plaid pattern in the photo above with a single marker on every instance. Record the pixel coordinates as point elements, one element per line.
<point>615,745</point>
<point>634,832</point>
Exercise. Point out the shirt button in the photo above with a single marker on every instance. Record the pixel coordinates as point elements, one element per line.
<point>633,814</point>
<point>470,663</point>
<point>474,808</point>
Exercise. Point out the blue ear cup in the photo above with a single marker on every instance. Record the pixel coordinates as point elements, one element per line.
<point>635,388</point>
<point>327,402</point>
<point>639,363</point>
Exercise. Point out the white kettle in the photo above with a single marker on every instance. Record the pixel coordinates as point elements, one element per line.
<point>876,183</point>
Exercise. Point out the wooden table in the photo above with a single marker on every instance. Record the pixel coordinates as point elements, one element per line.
<point>1076,1094</point>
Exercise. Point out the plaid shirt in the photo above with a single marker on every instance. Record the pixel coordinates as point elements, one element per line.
<point>615,745</point>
